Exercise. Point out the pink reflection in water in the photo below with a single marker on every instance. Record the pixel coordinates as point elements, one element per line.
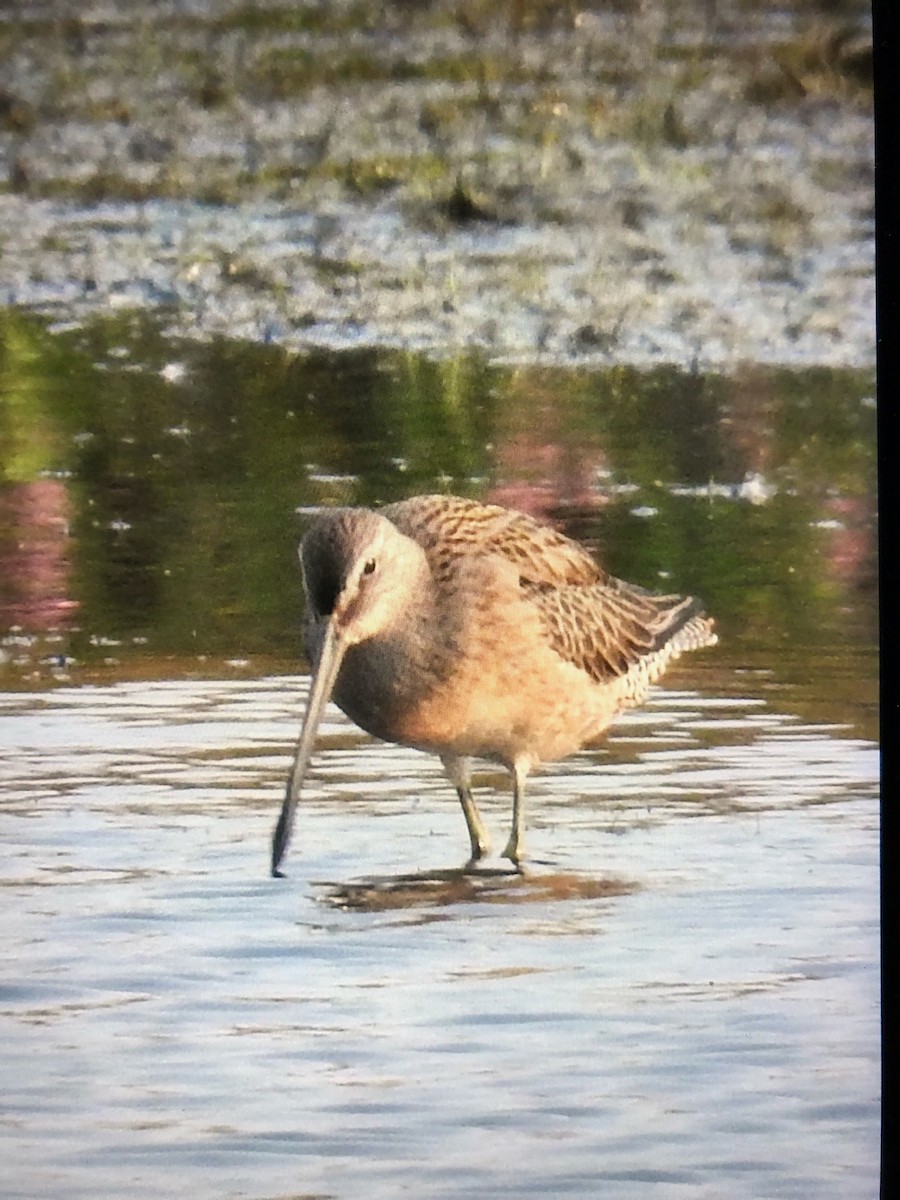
<point>34,562</point>
<point>545,478</point>
<point>851,552</point>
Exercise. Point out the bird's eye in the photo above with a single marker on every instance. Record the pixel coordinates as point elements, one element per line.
<point>369,568</point>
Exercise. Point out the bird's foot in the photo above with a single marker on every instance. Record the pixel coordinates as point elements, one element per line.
<point>514,850</point>
<point>481,848</point>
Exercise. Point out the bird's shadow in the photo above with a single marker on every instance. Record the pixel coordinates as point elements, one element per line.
<point>443,887</point>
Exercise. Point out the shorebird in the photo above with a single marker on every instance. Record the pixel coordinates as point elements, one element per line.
<point>473,631</point>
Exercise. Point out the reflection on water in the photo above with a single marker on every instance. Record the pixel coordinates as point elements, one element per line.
<point>164,506</point>
<point>679,997</point>
<point>468,886</point>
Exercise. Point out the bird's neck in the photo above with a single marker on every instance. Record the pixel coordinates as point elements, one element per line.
<point>386,675</point>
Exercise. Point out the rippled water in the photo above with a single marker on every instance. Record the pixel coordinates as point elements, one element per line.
<point>680,998</point>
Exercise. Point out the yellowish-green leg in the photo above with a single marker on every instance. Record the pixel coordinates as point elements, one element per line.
<point>515,847</point>
<point>478,835</point>
<point>458,772</point>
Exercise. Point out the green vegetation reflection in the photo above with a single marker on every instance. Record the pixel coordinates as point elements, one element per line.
<point>152,495</point>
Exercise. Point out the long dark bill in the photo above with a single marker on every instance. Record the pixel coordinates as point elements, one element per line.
<point>333,648</point>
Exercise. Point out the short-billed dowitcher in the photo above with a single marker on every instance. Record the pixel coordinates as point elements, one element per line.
<point>473,631</point>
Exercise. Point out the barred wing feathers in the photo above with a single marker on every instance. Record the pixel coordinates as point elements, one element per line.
<point>619,633</point>
<point>450,527</point>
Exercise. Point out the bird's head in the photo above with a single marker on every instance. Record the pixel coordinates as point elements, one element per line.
<point>359,574</point>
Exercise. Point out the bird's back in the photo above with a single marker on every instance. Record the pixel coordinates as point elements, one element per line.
<point>620,636</point>
<point>449,527</point>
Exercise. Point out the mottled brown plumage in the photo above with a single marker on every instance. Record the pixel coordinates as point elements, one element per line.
<point>473,631</point>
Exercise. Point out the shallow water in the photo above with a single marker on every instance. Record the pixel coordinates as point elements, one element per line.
<point>681,995</point>
<point>152,495</point>
<point>680,998</point>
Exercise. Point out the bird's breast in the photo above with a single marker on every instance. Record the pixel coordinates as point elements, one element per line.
<point>381,686</point>
<point>491,691</point>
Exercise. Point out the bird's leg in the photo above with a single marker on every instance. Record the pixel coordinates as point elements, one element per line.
<point>515,847</point>
<point>478,835</point>
<point>458,772</point>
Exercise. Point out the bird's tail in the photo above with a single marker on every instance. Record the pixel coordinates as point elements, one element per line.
<point>678,626</point>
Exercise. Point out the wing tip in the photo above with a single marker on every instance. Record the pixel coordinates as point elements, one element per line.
<point>688,627</point>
